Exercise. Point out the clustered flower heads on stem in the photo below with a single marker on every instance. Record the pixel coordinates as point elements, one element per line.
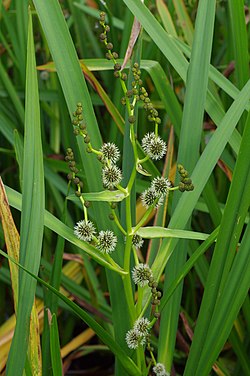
<point>154,148</point>
<point>154,195</point>
<point>85,230</point>
<point>138,334</point>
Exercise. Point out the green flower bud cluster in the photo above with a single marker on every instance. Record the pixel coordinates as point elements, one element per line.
<point>185,183</point>
<point>79,125</point>
<point>148,106</point>
<point>110,55</point>
<point>137,76</point>
<point>71,163</point>
<point>73,171</point>
<point>156,294</point>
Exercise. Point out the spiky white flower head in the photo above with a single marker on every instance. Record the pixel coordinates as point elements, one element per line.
<point>110,151</point>
<point>85,230</point>
<point>106,241</point>
<point>161,186</point>
<point>159,370</point>
<point>111,176</point>
<point>148,197</point>
<point>154,146</point>
<point>146,141</point>
<point>141,274</point>
<point>135,338</point>
<point>137,241</point>
<point>142,325</point>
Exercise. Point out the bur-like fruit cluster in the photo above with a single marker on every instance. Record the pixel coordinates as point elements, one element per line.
<point>106,241</point>
<point>138,334</point>
<point>159,370</point>
<point>154,146</point>
<point>85,230</point>
<point>155,194</point>
<point>137,241</point>
<point>141,274</point>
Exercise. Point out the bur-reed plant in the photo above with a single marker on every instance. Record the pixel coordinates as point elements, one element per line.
<point>135,303</point>
<point>154,148</point>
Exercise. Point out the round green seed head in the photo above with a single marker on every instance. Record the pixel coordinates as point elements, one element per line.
<point>79,111</point>
<point>117,67</point>
<point>129,93</point>
<point>103,36</point>
<point>74,121</point>
<point>113,205</point>
<point>131,119</point>
<point>87,139</point>
<point>76,180</point>
<point>87,204</point>
<point>109,46</point>
<point>82,126</point>
<point>181,187</point>
<point>124,77</point>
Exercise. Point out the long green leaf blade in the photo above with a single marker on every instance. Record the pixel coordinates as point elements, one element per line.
<point>192,123</point>
<point>32,203</point>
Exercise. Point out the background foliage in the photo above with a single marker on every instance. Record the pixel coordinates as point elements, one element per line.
<point>195,65</point>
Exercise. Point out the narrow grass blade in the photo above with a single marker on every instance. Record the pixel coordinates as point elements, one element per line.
<point>12,240</point>
<point>32,205</point>
<point>55,346</point>
<point>184,20</point>
<point>166,17</point>
<point>228,306</point>
<point>12,93</point>
<point>109,196</point>
<point>159,232</point>
<point>240,45</point>
<point>240,41</point>
<point>18,145</point>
